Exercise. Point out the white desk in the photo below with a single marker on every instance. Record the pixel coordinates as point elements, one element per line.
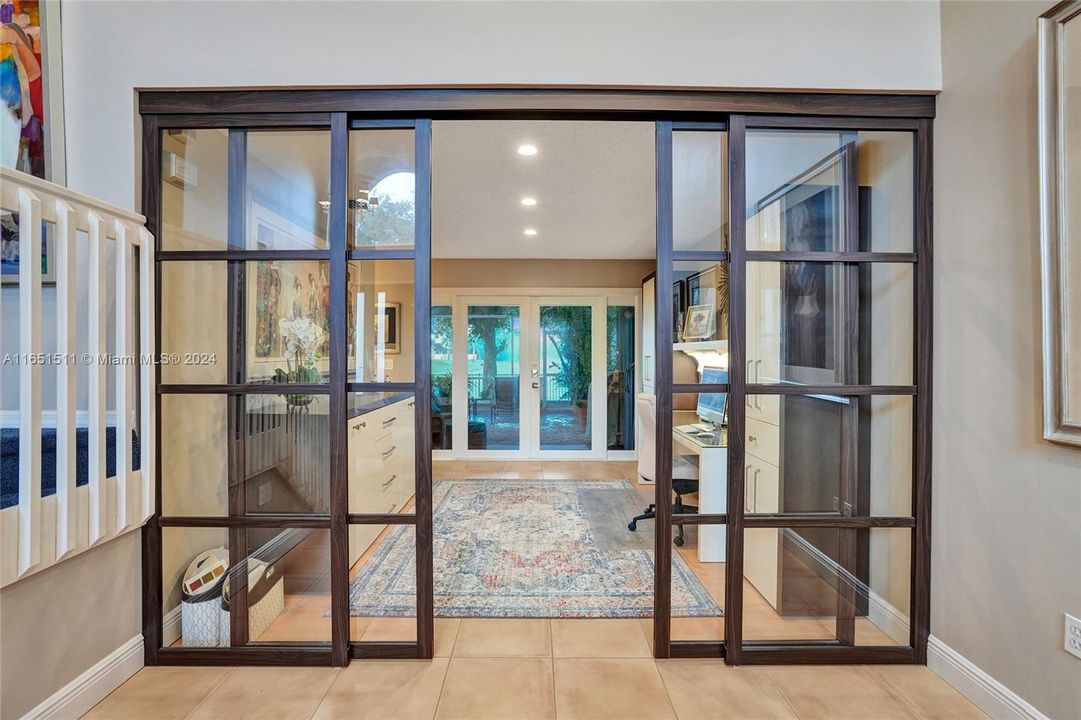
<point>712,489</point>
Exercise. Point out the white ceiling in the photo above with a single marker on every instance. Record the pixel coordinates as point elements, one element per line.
<point>594,183</point>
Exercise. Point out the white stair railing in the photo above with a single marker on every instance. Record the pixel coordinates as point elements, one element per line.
<point>38,532</point>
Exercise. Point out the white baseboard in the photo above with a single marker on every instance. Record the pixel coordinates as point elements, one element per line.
<point>170,627</point>
<point>984,691</point>
<point>84,692</point>
<point>887,618</point>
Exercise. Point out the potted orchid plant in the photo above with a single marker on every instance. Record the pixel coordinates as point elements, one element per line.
<point>303,338</point>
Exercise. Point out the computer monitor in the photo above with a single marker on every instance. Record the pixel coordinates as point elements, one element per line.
<point>713,406</point>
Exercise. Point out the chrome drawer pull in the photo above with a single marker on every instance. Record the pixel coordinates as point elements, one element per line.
<point>392,449</point>
<point>392,479</point>
<point>388,422</point>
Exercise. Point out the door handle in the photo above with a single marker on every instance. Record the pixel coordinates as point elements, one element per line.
<point>536,385</point>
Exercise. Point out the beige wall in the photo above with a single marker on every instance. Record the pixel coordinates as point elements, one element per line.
<point>545,273</point>
<point>1007,504</point>
<point>61,621</point>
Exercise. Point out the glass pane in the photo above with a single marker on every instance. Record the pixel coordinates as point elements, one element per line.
<point>699,483</point>
<point>698,583</point>
<point>287,189</point>
<point>796,446</point>
<point>621,379</point>
<point>288,321</point>
<point>827,584</point>
<point>379,321</point>
<point>194,322</point>
<point>382,188</point>
<point>699,319</point>
<point>699,181</point>
<point>442,376</point>
<point>195,189</point>
<point>825,323</point>
<point>798,182</point>
<point>566,377</point>
<point>493,367</point>
<point>287,454</point>
<point>382,457</point>
<point>280,581</point>
<point>383,583</point>
<point>194,454</point>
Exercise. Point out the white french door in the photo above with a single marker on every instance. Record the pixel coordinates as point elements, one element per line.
<point>528,378</point>
<point>566,371</point>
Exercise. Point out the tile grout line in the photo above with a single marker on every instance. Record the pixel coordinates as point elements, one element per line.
<point>443,684</point>
<point>780,691</point>
<point>213,690</point>
<point>337,674</point>
<point>552,665</point>
<point>881,682</point>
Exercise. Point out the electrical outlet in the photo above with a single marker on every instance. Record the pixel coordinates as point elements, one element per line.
<point>1073,635</point>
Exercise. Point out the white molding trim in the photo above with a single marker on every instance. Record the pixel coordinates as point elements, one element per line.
<point>887,618</point>
<point>170,627</point>
<point>984,691</point>
<point>84,692</point>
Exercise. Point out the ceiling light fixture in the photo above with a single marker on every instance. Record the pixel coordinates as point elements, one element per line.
<point>527,150</point>
<point>530,231</point>
<point>529,201</point>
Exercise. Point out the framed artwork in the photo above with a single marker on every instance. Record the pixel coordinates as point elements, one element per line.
<point>679,305</point>
<point>33,118</point>
<point>11,253</point>
<point>807,224</point>
<point>700,323</point>
<point>388,328</point>
<point>281,290</point>
<point>1060,219</point>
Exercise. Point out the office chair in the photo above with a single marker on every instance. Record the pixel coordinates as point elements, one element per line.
<point>684,475</point>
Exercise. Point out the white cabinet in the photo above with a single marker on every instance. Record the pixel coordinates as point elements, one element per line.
<point>649,340</point>
<point>761,563</point>
<point>382,467</point>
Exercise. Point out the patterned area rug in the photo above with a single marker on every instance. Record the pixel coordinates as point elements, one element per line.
<point>514,548</point>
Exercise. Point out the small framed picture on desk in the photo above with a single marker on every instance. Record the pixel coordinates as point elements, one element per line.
<point>700,323</point>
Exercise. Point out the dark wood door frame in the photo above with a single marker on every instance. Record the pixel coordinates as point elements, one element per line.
<point>343,109</point>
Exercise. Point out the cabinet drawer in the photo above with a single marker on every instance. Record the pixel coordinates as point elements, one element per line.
<point>766,408</point>
<point>763,441</point>
<point>377,492</point>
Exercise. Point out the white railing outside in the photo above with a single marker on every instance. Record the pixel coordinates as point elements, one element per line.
<point>39,532</point>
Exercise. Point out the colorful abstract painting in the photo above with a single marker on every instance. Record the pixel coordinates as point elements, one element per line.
<point>23,134</point>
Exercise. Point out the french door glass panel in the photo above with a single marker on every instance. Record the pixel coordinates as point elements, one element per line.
<point>565,377</point>
<point>493,367</point>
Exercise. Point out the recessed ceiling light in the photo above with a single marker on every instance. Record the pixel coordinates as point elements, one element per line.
<point>530,231</point>
<point>527,149</point>
<point>529,201</point>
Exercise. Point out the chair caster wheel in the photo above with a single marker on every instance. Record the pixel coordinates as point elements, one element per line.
<point>632,526</point>
<point>678,541</point>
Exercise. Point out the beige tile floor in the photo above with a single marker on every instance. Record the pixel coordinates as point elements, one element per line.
<point>510,669</point>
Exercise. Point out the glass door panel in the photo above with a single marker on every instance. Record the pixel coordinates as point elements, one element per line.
<point>493,369</point>
<point>564,374</point>
<point>442,375</point>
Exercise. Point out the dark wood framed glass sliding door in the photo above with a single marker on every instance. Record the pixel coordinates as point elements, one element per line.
<point>293,299</point>
<point>293,448</point>
<point>812,337</point>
